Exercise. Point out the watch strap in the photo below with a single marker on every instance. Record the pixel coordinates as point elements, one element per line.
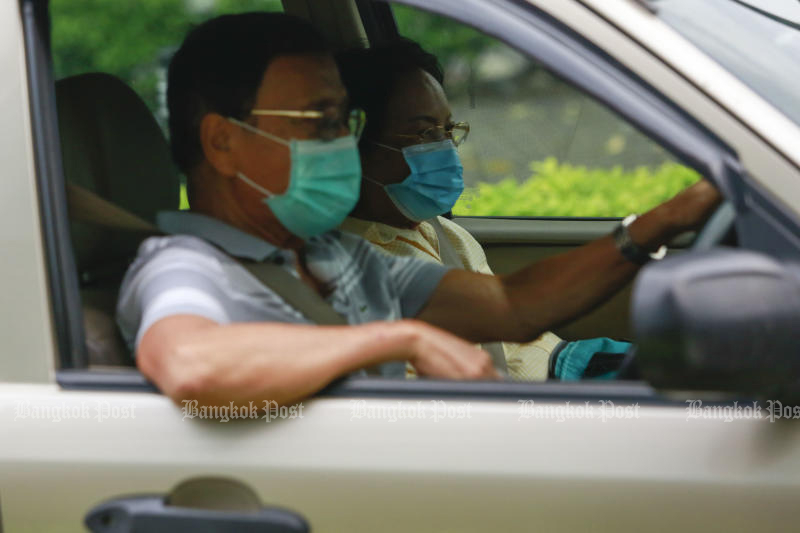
<point>629,249</point>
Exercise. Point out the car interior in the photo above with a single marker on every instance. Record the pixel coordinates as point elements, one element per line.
<point>114,147</point>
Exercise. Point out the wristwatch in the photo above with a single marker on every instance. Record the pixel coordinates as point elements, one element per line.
<point>629,249</point>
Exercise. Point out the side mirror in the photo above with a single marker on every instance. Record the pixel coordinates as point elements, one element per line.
<point>721,319</point>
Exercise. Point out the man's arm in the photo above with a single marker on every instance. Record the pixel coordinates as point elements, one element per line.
<point>520,306</point>
<point>189,357</point>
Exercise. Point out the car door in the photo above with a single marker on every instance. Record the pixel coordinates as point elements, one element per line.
<point>369,454</point>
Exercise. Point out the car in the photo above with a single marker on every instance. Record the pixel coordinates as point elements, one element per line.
<point>702,439</point>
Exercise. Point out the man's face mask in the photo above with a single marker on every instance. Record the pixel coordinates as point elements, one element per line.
<point>324,183</point>
<point>435,183</point>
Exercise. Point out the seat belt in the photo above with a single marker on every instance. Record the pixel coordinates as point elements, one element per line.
<point>86,206</point>
<point>295,292</point>
<point>450,257</point>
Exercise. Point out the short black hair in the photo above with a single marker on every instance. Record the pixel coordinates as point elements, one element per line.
<point>219,68</point>
<point>370,75</point>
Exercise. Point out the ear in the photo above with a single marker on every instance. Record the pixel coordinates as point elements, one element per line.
<point>217,139</point>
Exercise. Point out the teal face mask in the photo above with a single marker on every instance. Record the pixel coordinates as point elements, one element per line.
<point>435,183</point>
<point>324,183</point>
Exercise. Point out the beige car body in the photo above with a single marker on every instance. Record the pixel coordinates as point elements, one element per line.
<point>498,470</point>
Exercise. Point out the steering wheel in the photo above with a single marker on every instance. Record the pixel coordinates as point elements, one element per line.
<point>718,230</point>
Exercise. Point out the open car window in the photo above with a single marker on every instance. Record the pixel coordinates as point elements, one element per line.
<point>608,169</point>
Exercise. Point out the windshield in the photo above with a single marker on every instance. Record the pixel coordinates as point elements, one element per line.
<point>758,41</point>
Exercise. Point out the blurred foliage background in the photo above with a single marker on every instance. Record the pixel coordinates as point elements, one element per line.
<point>586,160</point>
<point>132,39</point>
<point>564,190</point>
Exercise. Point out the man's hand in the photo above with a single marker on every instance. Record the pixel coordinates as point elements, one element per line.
<point>438,354</point>
<point>686,211</point>
<point>692,207</point>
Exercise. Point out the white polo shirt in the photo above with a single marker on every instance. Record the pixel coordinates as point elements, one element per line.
<point>192,271</point>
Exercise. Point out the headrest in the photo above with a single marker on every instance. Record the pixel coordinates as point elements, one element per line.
<point>112,145</point>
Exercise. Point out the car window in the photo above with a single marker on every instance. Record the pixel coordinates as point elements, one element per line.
<point>537,146</point>
<point>499,91</point>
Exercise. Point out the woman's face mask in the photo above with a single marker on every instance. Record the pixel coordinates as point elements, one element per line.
<point>434,184</point>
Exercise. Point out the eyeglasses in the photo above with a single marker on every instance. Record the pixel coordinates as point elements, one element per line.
<point>456,132</point>
<point>330,122</point>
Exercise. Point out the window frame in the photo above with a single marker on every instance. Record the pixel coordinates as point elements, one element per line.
<point>74,374</point>
<point>378,21</point>
<point>621,392</point>
<point>62,274</point>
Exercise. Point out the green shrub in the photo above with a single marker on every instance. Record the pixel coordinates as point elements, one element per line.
<point>563,190</point>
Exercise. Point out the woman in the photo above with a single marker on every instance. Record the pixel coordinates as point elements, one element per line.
<point>411,174</point>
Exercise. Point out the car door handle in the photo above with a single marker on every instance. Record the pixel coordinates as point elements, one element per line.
<point>151,514</point>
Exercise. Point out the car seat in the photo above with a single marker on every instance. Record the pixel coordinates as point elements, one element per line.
<point>112,146</point>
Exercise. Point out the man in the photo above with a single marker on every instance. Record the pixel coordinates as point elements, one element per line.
<point>399,86</point>
<point>258,122</point>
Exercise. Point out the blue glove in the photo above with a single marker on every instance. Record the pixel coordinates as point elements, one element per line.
<point>569,361</point>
